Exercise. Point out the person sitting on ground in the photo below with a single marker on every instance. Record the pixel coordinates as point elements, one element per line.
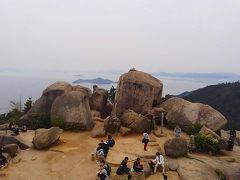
<point>100,153</point>
<point>123,167</point>
<point>110,141</point>
<point>14,129</point>
<point>145,140</point>
<point>3,160</point>
<point>102,174</point>
<point>158,162</point>
<point>105,147</point>
<point>106,166</point>
<point>137,166</point>
<point>177,131</point>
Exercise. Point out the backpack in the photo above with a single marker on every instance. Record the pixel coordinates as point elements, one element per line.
<point>111,143</point>
<point>108,169</point>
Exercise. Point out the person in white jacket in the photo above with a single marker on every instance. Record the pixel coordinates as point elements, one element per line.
<point>158,161</point>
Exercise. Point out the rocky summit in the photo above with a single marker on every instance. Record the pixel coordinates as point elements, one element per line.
<point>67,124</point>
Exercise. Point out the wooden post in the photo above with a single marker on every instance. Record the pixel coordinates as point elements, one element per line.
<point>162,115</point>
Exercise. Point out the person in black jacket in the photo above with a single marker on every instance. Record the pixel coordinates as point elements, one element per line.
<point>123,167</point>
<point>137,166</point>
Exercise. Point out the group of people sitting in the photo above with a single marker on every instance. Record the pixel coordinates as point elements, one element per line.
<point>103,147</point>
<point>16,129</point>
<point>155,165</point>
<point>101,153</point>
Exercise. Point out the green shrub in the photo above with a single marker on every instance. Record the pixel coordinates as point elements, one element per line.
<point>67,125</point>
<point>220,174</point>
<point>170,125</point>
<point>58,122</point>
<point>206,144</point>
<point>194,129</point>
<point>41,120</point>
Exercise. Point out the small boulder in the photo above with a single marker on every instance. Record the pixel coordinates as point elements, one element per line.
<point>172,165</point>
<point>112,124</point>
<point>5,140</point>
<point>176,147</point>
<point>11,149</point>
<point>47,137</point>
<point>135,122</point>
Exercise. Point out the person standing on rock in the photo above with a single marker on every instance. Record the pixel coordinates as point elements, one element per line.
<point>177,131</point>
<point>145,140</point>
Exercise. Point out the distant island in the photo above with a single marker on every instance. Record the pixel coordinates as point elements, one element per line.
<point>98,80</point>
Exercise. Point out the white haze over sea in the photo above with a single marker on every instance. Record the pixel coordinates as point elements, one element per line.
<point>19,84</point>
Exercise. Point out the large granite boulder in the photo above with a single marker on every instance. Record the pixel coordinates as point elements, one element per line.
<point>136,122</point>
<point>44,104</point>
<point>208,132</point>
<point>44,138</point>
<point>176,147</point>
<point>5,140</point>
<point>112,124</point>
<point>138,91</point>
<point>185,113</point>
<point>71,111</point>
<point>99,99</point>
<point>84,90</point>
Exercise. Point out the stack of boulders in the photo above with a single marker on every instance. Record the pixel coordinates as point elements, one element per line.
<point>137,93</point>
<point>66,105</point>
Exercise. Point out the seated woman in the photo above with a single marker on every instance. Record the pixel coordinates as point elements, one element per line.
<point>110,141</point>
<point>137,166</point>
<point>100,153</point>
<point>123,169</point>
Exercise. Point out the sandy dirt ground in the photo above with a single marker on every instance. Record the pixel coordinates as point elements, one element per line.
<point>71,158</point>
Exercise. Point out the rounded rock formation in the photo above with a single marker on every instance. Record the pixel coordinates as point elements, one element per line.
<point>44,138</point>
<point>176,147</point>
<point>99,99</point>
<point>138,91</point>
<point>71,111</point>
<point>44,104</point>
<point>185,113</point>
<point>136,122</point>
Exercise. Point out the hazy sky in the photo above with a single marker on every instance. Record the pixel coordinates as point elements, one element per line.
<point>90,35</point>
